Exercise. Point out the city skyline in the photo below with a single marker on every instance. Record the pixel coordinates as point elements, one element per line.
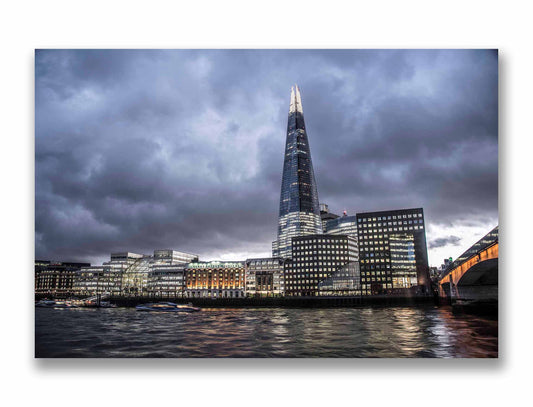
<point>119,167</point>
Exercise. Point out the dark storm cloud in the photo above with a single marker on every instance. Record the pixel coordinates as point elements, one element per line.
<point>444,241</point>
<point>138,150</point>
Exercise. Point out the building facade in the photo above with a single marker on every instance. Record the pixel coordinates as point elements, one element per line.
<point>86,281</point>
<point>315,258</point>
<point>135,281</point>
<point>167,280</point>
<point>299,213</point>
<point>343,225</point>
<point>168,256</point>
<point>166,273</point>
<point>393,251</point>
<point>130,274</point>
<point>264,277</point>
<point>215,279</point>
<point>127,273</point>
<point>346,281</point>
<point>56,278</point>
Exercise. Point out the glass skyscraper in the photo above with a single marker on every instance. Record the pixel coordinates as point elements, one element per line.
<point>299,213</point>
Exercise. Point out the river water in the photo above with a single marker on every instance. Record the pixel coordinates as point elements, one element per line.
<point>365,332</point>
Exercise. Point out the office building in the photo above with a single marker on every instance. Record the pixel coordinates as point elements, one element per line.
<point>166,280</point>
<point>165,274</point>
<point>392,251</point>
<point>346,281</point>
<point>168,256</point>
<point>299,213</point>
<point>136,276</point>
<point>130,274</point>
<point>56,279</point>
<point>86,281</point>
<point>264,277</point>
<point>112,280</point>
<point>343,225</point>
<point>315,258</point>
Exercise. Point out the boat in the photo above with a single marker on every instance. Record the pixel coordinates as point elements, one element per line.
<point>55,304</point>
<point>167,307</point>
<point>95,304</point>
<point>105,304</point>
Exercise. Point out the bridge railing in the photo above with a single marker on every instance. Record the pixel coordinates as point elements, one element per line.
<point>486,241</point>
<point>489,252</point>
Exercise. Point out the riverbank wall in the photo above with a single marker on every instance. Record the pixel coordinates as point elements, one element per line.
<point>290,302</point>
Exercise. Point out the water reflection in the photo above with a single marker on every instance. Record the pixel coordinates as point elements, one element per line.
<point>265,332</point>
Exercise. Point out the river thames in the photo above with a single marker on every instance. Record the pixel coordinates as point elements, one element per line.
<point>365,332</point>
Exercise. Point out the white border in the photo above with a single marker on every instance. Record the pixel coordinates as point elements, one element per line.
<point>274,24</point>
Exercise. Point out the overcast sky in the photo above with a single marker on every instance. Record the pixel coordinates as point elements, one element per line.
<point>144,150</point>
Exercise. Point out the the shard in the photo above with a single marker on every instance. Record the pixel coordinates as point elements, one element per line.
<point>299,213</point>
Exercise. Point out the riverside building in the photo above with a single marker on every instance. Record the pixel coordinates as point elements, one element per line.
<point>86,281</point>
<point>346,281</point>
<point>393,251</point>
<point>131,269</point>
<point>315,258</point>
<point>167,280</point>
<point>112,278</point>
<point>215,279</point>
<point>299,213</point>
<point>136,278</point>
<point>130,274</point>
<point>264,277</point>
<point>56,278</point>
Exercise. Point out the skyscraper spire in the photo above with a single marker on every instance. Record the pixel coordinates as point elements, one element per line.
<point>299,214</point>
<point>296,100</point>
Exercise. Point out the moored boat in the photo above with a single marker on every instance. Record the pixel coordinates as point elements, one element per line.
<point>167,307</point>
<point>55,304</point>
<point>95,304</point>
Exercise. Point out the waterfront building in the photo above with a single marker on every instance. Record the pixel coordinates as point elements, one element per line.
<point>107,278</point>
<point>393,251</point>
<point>346,281</point>
<point>264,277</point>
<point>167,280</point>
<point>326,215</point>
<point>86,281</point>
<point>134,273</point>
<point>314,259</point>
<point>56,278</point>
<point>299,213</point>
<point>129,274</point>
<point>112,280</point>
<point>165,273</point>
<point>136,276</point>
<point>40,265</point>
<point>215,279</point>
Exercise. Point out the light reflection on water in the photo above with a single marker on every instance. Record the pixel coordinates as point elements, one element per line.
<point>265,332</point>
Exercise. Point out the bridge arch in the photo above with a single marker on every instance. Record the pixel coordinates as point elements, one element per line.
<point>475,278</point>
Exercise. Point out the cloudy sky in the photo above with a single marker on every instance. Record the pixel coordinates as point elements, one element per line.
<point>142,150</point>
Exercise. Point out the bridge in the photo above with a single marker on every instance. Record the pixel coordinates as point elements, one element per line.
<point>474,274</point>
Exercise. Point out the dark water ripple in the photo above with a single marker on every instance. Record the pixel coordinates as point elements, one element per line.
<point>265,332</point>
